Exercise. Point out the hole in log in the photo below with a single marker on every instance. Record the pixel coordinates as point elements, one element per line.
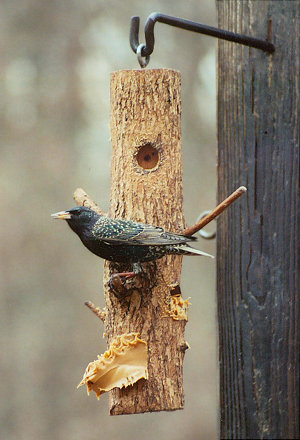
<point>147,157</point>
<point>175,289</point>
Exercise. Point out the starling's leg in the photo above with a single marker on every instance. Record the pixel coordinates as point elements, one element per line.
<point>126,275</point>
<point>137,269</point>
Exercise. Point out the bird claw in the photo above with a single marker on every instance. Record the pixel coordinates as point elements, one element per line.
<point>120,285</point>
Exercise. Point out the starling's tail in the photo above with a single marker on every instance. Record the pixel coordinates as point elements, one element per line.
<point>188,250</point>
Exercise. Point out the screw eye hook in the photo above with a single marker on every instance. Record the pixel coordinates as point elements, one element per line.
<point>143,60</point>
<point>202,232</point>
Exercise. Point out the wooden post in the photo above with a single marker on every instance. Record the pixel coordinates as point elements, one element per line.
<point>146,186</point>
<point>258,239</point>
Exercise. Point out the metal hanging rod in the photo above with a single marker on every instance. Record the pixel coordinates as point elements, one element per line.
<point>145,50</point>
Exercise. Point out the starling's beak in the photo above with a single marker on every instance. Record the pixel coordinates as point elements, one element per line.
<point>63,215</point>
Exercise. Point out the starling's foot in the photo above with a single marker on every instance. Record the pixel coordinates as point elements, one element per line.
<point>123,284</point>
<point>119,285</point>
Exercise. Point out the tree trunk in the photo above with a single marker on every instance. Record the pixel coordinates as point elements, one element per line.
<point>146,186</point>
<point>257,240</point>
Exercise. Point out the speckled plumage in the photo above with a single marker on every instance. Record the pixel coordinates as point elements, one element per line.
<point>125,241</point>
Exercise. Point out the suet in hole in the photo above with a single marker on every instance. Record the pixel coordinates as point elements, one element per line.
<point>147,157</point>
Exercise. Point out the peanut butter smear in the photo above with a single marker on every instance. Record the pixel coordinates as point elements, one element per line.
<point>123,364</point>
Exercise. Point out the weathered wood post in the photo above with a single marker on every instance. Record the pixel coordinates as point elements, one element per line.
<point>258,239</point>
<point>146,186</point>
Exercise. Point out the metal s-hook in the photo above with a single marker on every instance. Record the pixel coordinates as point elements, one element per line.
<point>188,25</point>
<point>138,48</point>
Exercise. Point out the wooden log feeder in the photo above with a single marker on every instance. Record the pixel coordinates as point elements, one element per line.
<point>148,313</point>
<point>146,186</point>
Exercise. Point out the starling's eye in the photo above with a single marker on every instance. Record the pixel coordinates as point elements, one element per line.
<point>76,212</point>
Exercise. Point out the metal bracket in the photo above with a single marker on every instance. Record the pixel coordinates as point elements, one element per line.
<point>146,50</point>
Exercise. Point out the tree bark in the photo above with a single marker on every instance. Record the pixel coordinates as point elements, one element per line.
<point>146,186</point>
<point>258,240</point>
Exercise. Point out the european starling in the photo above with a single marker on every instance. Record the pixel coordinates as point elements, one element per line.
<point>125,241</point>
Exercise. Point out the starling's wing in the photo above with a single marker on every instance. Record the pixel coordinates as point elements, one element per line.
<point>132,233</point>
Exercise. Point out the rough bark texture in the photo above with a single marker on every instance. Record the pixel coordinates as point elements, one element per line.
<point>146,186</point>
<point>258,239</point>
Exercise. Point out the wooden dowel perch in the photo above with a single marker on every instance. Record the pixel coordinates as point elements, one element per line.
<point>82,199</point>
<point>188,231</point>
<point>146,186</point>
<point>215,212</point>
<point>96,310</point>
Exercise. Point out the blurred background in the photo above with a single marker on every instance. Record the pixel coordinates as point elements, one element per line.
<point>55,65</point>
